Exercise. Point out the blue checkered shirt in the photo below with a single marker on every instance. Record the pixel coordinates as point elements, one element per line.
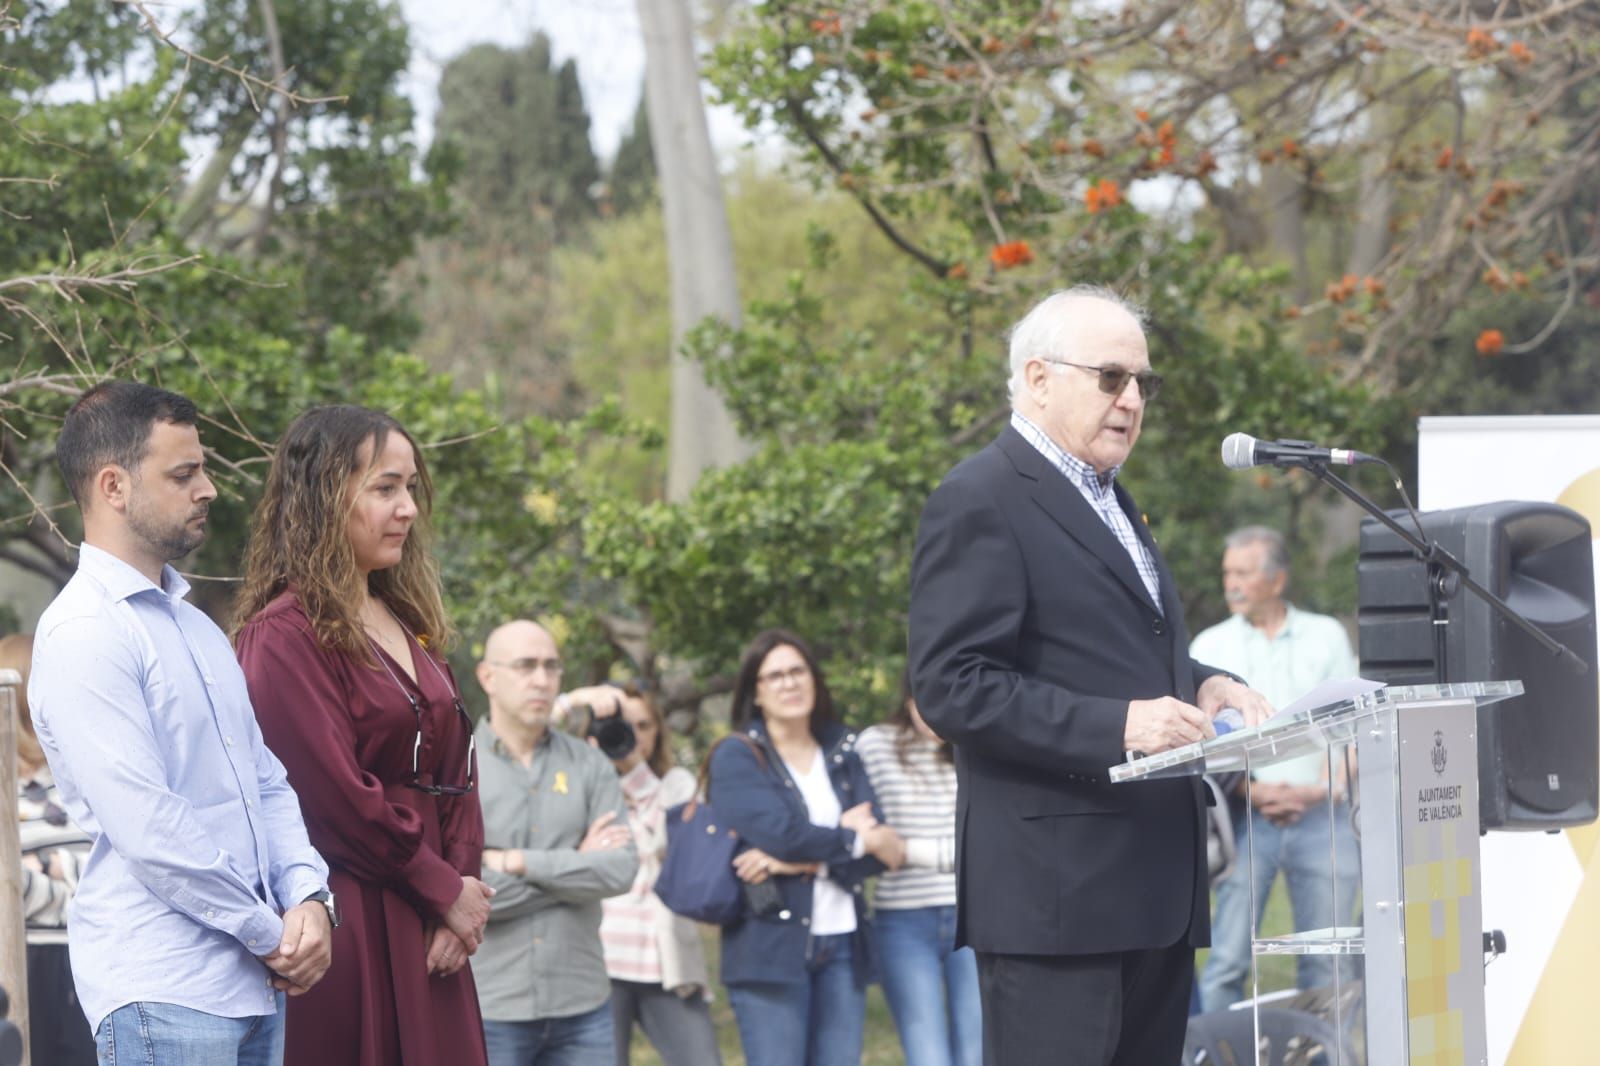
<point>1101,494</point>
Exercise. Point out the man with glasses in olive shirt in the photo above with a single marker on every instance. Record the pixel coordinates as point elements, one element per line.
<point>556,843</point>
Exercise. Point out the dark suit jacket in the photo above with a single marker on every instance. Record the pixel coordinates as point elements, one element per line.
<point>1030,631</point>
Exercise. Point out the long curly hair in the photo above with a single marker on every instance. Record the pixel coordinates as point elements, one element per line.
<point>299,535</point>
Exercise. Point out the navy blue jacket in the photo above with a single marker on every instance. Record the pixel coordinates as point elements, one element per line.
<point>764,805</point>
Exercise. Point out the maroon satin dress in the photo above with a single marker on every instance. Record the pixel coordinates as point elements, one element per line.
<point>344,731</point>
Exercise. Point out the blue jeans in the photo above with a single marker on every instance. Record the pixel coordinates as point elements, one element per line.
<point>932,989</point>
<point>1301,852</point>
<point>587,1039</point>
<point>815,1022</point>
<point>165,1034</point>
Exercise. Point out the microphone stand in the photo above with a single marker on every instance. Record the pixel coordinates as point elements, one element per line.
<point>1446,576</point>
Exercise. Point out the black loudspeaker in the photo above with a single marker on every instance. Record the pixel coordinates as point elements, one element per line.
<point>1538,754</point>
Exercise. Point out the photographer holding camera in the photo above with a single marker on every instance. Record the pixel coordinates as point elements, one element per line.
<point>655,958</point>
<point>556,843</point>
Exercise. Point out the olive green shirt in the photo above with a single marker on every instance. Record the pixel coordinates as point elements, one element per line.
<point>540,956</point>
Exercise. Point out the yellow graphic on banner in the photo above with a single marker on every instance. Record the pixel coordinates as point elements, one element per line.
<point>1434,891</point>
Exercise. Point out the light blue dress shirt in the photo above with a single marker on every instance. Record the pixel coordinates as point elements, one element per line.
<point>198,841</point>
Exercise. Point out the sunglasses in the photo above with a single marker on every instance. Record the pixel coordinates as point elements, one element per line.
<point>416,781</point>
<point>1113,379</point>
<point>431,789</point>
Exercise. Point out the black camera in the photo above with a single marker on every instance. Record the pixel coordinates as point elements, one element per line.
<point>613,734</point>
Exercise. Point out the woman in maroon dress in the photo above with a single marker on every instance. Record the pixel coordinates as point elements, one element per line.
<point>341,633</point>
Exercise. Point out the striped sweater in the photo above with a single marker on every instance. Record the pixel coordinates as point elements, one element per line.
<point>918,797</point>
<point>47,836</point>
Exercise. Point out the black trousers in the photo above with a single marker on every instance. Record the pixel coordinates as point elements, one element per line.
<point>1127,1008</point>
<point>58,1032</point>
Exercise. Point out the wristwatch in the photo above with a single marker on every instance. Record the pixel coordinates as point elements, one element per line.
<point>329,904</point>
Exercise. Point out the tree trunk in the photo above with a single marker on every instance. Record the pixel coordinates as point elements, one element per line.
<point>1373,211</point>
<point>1284,189</point>
<point>699,244</point>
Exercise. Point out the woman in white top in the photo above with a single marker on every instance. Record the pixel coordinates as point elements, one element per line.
<point>931,987</point>
<point>797,963</point>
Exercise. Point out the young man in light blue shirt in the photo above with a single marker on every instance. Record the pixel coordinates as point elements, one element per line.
<point>1283,652</point>
<point>203,902</point>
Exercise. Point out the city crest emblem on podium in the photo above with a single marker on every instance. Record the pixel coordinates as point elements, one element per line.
<point>1440,754</point>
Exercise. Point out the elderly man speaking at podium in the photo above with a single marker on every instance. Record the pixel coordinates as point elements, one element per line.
<point>1047,642</point>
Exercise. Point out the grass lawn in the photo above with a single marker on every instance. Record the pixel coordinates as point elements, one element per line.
<point>882,1047</point>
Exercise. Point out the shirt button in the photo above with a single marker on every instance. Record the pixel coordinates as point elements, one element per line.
<point>211,914</point>
<point>251,942</point>
<point>228,741</point>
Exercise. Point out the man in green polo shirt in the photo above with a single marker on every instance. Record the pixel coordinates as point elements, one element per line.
<point>556,843</point>
<point>1283,652</point>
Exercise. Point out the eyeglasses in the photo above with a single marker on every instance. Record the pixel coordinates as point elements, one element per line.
<point>525,667</point>
<point>431,789</point>
<point>1113,379</point>
<point>794,675</point>
<point>416,781</point>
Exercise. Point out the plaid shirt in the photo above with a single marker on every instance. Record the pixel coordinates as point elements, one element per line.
<point>1100,491</point>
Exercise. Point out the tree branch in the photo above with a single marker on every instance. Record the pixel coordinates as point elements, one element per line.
<point>251,83</point>
<point>803,122</point>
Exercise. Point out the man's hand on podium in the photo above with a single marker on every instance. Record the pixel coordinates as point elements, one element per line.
<point>1221,691</point>
<point>1159,725</point>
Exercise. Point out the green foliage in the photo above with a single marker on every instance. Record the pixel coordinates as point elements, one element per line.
<point>258,314</point>
<point>58,39</point>
<point>633,172</point>
<point>815,532</point>
<point>520,130</point>
<point>613,305</point>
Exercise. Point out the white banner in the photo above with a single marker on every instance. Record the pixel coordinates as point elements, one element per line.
<point>1542,889</point>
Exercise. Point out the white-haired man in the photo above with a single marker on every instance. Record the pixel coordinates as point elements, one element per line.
<point>1047,642</point>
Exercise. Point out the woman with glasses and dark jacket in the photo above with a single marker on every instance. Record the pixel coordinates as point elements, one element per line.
<point>341,637</point>
<point>790,783</point>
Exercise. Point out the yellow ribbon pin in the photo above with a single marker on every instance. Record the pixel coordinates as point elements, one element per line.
<point>561,782</point>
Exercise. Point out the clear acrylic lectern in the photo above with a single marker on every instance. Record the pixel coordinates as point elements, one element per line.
<point>1412,753</point>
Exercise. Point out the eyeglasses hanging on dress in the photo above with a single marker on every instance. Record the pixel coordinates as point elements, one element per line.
<point>416,709</point>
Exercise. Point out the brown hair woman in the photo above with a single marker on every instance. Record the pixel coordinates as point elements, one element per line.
<point>341,634</point>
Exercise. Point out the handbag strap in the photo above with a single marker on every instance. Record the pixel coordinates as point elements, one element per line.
<point>703,779</point>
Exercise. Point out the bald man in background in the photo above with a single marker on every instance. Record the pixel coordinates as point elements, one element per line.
<point>556,844</point>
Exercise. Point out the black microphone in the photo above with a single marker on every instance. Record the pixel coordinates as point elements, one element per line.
<point>1241,451</point>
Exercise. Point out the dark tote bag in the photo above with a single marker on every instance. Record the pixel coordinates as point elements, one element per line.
<point>697,879</point>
